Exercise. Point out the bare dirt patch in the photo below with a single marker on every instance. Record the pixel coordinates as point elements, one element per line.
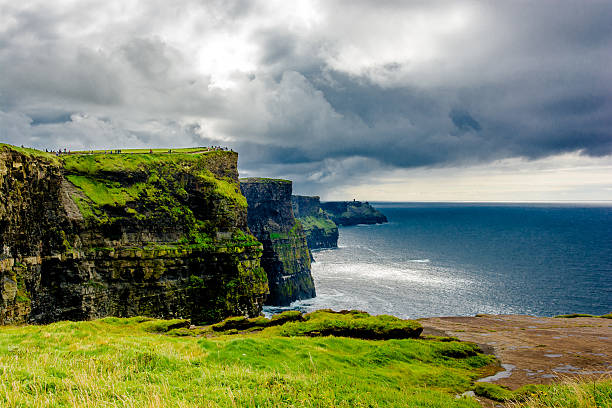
<point>535,350</point>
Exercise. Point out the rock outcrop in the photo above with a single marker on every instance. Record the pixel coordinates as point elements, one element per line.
<point>286,258</point>
<point>353,213</point>
<point>161,235</point>
<point>321,231</point>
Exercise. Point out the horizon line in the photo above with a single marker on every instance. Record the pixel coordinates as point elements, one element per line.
<point>484,201</point>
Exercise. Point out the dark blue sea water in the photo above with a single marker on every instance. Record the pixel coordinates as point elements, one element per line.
<point>463,259</point>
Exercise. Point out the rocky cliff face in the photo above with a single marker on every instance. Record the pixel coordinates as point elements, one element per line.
<point>353,213</point>
<point>162,235</point>
<point>320,230</point>
<point>286,258</point>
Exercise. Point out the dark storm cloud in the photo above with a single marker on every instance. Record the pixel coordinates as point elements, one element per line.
<point>49,115</point>
<point>324,92</point>
<point>464,121</point>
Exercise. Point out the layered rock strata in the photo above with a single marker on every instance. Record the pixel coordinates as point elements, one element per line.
<point>161,235</point>
<point>286,257</point>
<point>353,213</point>
<point>321,231</point>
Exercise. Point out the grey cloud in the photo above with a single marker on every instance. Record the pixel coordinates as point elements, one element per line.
<point>410,127</point>
<point>464,121</point>
<point>149,56</point>
<point>517,79</point>
<point>277,47</point>
<point>50,117</point>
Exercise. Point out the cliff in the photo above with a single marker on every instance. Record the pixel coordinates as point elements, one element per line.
<point>161,235</point>
<point>286,258</point>
<point>353,213</point>
<point>320,230</point>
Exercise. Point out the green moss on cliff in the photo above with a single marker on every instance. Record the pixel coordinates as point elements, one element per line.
<point>107,193</point>
<point>290,247</point>
<point>96,172</point>
<point>227,188</point>
<point>294,233</point>
<point>18,275</point>
<point>240,239</point>
<point>152,187</point>
<point>312,222</point>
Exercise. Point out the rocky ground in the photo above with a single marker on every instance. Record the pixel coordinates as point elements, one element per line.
<point>535,350</point>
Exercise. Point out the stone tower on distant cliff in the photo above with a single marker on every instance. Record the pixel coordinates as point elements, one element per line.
<point>286,257</point>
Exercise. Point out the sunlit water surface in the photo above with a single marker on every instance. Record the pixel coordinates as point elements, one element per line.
<point>463,259</point>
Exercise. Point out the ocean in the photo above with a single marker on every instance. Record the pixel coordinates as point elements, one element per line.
<point>443,259</point>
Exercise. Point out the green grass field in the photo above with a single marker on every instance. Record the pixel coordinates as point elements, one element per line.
<point>121,363</point>
<point>570,394</point>
<point>142,362</point>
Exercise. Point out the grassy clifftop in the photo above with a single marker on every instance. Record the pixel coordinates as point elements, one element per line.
<point>98,174</point>
<point>170,191</point>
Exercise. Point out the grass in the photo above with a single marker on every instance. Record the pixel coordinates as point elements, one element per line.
<point>157,179</point>
<point>352,324</point>
<point>493,392</point>
<point>574,393</point>
<point>244,323</point>
<point>116,362</point>
<point>311,222</point>
<point>106,193</point>
<point>95,164</point>
<point>499,393</point>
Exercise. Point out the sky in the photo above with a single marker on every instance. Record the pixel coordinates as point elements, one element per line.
<point>376,100</point>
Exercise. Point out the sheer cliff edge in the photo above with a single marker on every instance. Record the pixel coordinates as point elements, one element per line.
<point>156,234</point>
<point>286,257</point>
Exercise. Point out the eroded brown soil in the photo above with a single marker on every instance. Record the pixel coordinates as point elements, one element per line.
<point>541,349</point>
